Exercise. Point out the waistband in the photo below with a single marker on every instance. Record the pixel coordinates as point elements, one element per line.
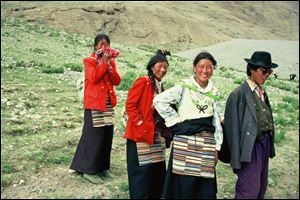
<point>263,134</point>
<point>204,133</point>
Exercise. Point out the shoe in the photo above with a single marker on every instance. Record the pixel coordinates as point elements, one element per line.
<point>93,178</point>
<point>106,174</point>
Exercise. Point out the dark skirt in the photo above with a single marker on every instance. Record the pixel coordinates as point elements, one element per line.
<point>188,187</point>
<point>145,182</point>
<point>93,151</point>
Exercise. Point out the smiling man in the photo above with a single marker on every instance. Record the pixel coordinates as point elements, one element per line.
<point>249,129</point>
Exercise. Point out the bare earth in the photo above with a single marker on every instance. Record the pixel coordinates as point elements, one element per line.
<point>232,53</point>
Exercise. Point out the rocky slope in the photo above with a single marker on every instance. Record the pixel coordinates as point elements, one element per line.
<point>170,23</point>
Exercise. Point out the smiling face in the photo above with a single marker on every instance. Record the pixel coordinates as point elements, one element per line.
<point>260,75</point>
<point>160,69</point>
<point>203,71</point>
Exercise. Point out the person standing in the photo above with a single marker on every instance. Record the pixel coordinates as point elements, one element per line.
<point>92,157</point>
<point>197,131</point>
<point>249,129</point>
<point>145,147</point>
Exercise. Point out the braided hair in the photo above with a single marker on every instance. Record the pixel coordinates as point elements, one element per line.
<point>160,56</point>
<point>159,122</point>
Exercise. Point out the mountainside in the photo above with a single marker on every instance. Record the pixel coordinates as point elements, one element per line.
<point>174,24</point>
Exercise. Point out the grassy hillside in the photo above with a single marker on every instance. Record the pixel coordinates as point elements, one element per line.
<point>41,116</point>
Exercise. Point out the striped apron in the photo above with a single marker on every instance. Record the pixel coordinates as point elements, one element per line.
<point>148,154</point>
<point>194,155</point>
<point>106,118</point>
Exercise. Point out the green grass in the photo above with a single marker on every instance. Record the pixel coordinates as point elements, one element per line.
<point>280,136</point>
<point>52,70</point>
<point>127,80</point>
<point>291,100</point>
<point>281,84</point>
<point>73,66</point>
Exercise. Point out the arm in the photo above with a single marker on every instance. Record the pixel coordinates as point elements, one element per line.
<point>217,123</point>
<point>232,129</point>
<point>162,103</point>
<point>94,71</point>
<point>132,101</point>
<point>113,74</point>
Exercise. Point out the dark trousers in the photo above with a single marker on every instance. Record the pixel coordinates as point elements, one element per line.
<point>253,177</point>
<point>94,148</point>
<point>187,187</point>
<point>145,182</point>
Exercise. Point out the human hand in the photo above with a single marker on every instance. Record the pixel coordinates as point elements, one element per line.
<point>105,58</point>
<point>165,52</point>
<point>109,68</point>
<point>139,122</point>
<point>216,157</point>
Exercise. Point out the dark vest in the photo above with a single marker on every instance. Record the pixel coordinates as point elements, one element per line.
<point>264,116</point>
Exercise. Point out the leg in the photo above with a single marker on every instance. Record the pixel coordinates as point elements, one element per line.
<point>106,148</point>
<point>248,183</point>
<point>265,167</point>
<point>86,158</point>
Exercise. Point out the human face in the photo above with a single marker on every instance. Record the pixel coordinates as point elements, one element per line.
<point>102,44</point>
<point>203,71</point>
<point>260,75</point>
<point>160,69</point>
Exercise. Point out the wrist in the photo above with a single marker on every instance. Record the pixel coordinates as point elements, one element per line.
<point>109,67</point>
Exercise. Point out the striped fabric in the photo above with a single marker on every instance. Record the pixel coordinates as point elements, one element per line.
<point>106,118</point>
<point>194,155</point>
<point>148,154</point>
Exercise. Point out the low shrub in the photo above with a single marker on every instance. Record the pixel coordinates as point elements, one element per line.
<point>52,70</point>
<point>127,80</point>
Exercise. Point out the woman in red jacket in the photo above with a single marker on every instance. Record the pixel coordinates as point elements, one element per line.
<point>92,157</point>
<point>146,165</point>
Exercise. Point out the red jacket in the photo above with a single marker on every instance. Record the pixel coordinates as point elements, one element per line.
<point>98,83</point>
<point>139,107</point>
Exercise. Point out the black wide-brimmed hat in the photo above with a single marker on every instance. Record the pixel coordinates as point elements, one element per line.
<point>262,59</point>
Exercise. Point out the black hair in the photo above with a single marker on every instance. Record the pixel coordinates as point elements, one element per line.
<point>204,55</point>
<point>99,37</point>
<point>249,67</point>
<point>160,56</point>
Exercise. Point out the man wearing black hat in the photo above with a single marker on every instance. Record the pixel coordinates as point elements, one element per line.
<point>249,129</point>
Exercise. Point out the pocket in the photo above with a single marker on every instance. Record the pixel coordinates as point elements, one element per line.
<point>247,146</point>
<point>113,98</point>
<point>93,92</point>
<point>141,129</point>
<point>143,133</point>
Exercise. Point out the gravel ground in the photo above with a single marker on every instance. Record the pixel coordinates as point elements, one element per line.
<point>232,54</point>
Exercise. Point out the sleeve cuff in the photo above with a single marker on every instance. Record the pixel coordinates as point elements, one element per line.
<point>218,147</point>
<point>172,122</point>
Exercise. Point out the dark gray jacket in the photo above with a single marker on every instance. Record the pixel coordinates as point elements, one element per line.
<point>241,125</point>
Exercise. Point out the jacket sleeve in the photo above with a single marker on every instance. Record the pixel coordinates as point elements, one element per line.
<point>217,123</point>
<point>113,75</point>
<point>232,129</point>
<point>94,71</point>
<point>162,103</point>
<point>134,95</point>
